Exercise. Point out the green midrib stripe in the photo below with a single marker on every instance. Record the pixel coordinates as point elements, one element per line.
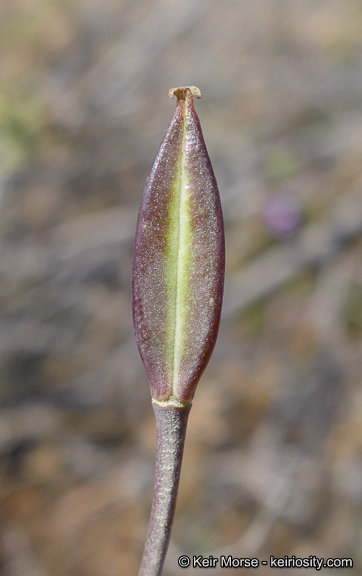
<point>178,264</point>
<point>177,340</point>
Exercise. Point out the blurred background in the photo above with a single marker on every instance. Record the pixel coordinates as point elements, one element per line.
<point>273,459</point>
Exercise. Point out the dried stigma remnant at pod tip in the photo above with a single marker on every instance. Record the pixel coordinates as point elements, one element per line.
<point>179,260</point>
<point>182,93</point>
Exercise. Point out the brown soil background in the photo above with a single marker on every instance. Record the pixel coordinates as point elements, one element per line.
<point>273,461</point>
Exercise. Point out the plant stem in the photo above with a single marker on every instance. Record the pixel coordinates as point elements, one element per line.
<point>171,423</point>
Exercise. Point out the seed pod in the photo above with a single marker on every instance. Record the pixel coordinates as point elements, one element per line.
<point>179,259</point>
<point>178,277</point>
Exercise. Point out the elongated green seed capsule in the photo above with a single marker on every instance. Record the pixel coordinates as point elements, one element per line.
<point>179,259</point>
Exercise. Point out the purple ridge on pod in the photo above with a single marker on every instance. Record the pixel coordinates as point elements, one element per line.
<point>179,259</point>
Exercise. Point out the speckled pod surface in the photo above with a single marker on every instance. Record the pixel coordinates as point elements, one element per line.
<point>179,259</point>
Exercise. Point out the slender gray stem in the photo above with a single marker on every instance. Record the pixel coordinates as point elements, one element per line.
<point>171,426</point>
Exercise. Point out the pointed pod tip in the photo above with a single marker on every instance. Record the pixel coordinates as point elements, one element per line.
<point>185,92</point>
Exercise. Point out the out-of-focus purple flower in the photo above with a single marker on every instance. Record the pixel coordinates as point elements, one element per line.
<point>282,216</point>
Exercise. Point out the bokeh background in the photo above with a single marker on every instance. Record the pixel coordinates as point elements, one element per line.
<point>273,460</point>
